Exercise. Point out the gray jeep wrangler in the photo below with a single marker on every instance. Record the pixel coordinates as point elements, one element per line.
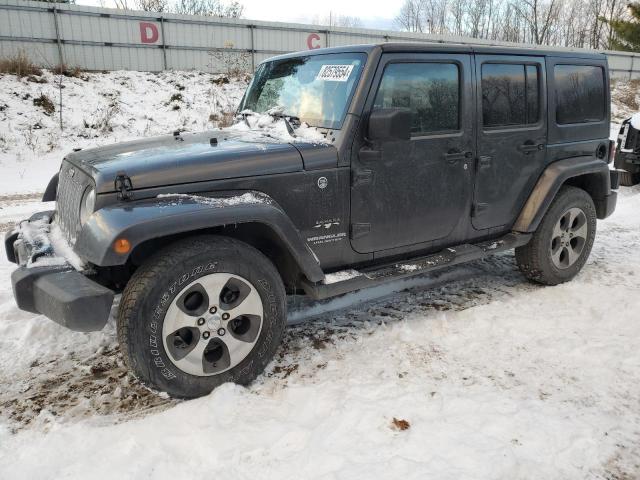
<point>347,167</point>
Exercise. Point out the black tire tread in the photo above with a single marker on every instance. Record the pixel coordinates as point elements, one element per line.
<point>145,277</point>
<point>628,179</point>
<point>533,259</point>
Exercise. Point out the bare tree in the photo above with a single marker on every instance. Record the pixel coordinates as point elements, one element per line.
<point>411,16</point>
<point>152,5</point>
<point>121,4</point>
<point>209,8</point>
<point>337,20</point>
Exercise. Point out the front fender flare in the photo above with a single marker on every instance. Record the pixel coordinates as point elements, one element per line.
<point>144,220</point>
<point>549,183</point>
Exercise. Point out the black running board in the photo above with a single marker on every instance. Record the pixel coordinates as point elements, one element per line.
<point>372,276</point>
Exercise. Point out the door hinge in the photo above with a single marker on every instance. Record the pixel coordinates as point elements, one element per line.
<point>478,208</point>
<point>359,230</point>
<point>123,186</point>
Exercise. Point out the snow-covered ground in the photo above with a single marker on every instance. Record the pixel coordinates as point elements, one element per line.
<point>472,373</point>
<point>98,109</point>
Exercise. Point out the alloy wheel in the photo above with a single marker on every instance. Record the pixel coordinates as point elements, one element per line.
<point>212,324</point>
<point>569,238</point>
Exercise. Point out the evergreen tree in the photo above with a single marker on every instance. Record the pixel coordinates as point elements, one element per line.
<point>627,33</point>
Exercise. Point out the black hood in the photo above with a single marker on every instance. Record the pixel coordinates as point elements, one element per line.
<point>188,158</point>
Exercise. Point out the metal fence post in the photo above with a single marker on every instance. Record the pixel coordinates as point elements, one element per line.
<point>58,41</point>
<point>631,68</point>
<point>164,43</point>
<point>253,49</point>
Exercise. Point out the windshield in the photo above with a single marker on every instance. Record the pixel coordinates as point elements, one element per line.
<point>317,89</point>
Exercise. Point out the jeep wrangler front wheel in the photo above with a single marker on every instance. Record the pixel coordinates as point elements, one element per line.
<point>202,312</point>
<point>561,245</point>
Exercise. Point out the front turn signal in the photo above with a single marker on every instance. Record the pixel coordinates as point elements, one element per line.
<point>122,246</point>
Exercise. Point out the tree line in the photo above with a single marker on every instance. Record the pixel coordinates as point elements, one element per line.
<point>592,24</point>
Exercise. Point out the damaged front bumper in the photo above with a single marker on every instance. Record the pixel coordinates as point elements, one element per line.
<point>57,291</point>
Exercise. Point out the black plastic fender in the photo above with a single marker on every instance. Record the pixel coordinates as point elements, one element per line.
<point>139,221</point>
<point>597,182</point>
<point>51,190</point>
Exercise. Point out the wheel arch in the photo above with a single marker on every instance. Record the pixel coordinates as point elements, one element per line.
<point>587,173</point>
<point>153,223</point>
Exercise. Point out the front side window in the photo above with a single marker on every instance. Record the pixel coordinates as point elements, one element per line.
<point>579,94</point>
<point>510,94</point>
<point>317,89</point>
<point>430,90</point>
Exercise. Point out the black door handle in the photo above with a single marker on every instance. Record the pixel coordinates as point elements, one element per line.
<point>531,147</point>
<point>453,157</point>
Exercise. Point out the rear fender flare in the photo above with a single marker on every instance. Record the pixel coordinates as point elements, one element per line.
<point>149,219</point>
<point>594,171</point>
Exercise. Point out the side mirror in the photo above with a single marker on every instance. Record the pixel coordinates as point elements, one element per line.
<point>390,124</point>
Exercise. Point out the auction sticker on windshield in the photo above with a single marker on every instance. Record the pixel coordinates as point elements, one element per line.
<point>334,73</point>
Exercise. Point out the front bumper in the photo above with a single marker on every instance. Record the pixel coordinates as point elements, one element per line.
<point>59,292</point>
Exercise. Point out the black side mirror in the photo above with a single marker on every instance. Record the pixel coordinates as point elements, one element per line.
<point>390,124</point>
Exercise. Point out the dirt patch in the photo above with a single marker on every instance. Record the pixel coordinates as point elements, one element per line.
<point>19,197</point>
<point>71,387</point>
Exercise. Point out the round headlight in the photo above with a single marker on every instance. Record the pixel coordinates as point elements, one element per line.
<point>87,204</point>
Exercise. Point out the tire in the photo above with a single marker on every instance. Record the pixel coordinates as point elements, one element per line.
<point>562,243</point>
<point>178,289</point>
<point>628,179</point>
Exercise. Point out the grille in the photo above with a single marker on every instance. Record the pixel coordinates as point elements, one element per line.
<point>71,185</point>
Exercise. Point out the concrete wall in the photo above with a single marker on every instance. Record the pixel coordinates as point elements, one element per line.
<point>109,39</point>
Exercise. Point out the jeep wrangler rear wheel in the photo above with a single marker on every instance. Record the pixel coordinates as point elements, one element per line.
<point>628,179</point>
<point>202,312</point>
<point>561,245</point>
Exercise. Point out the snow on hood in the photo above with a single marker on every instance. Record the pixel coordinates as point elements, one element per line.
<point>246,198</point>
<point>258,126</point>
<point>635,121</point>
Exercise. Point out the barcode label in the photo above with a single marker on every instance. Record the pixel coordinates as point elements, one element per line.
<point>334,73</point>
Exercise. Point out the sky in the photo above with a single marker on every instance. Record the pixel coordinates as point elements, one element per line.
<point>372,13</point>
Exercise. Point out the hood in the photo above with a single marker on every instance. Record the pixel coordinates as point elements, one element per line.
<point>188,158</point>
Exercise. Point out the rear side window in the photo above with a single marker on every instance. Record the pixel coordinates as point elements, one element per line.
<point>579,94</point>
<point>430,90</point>
<point>510,94</point>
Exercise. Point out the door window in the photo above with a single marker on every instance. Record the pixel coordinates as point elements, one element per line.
<point>510,94</point>
<point>579,94</point>
<point>430,90</point>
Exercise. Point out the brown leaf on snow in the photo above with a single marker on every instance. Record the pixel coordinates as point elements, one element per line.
<point>399,424</point>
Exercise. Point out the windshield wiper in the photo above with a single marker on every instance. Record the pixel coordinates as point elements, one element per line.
<point>289,120</point>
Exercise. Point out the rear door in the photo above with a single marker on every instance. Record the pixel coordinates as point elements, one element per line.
<point>512,136</point>
<point>408,192</point>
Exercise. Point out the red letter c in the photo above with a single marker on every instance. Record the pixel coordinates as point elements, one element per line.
<point>310,39</point>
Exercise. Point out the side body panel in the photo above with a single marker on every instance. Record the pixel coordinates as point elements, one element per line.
<point>510,157</point>
<point>410,192</point>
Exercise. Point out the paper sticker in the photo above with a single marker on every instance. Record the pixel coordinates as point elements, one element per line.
<point>334,73</point>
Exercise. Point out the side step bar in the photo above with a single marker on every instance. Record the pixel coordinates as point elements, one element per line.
<point>372,276</point>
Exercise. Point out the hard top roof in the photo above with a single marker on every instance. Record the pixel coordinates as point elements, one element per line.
<point>432,47</point>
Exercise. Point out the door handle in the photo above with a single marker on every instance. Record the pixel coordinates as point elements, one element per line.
<point>531,147</point>
<point>453,157</point>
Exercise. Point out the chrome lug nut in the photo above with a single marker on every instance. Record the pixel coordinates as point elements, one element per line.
<point>221,331</point>
<point>213,310</point>
<point>201,321</point>
<point>225,316</point>
<point>205,335</point>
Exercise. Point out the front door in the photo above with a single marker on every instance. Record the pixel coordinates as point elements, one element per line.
<point>512,136</point>
<point>416,191</point>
